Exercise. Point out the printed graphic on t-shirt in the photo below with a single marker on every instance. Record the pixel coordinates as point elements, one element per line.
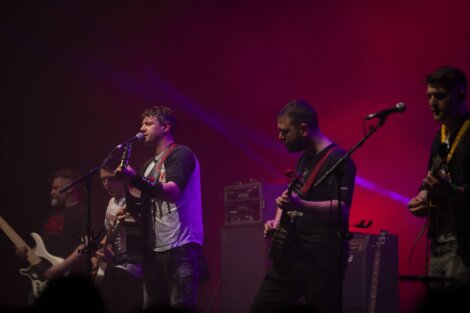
<point>54,225</point>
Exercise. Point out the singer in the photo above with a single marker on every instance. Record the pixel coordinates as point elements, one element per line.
<point>170,188</point>
<point>444,195</point>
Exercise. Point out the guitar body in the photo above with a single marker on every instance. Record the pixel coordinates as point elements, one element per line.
<point>36,272</point>
<point>39,259</point>
<point>281,236</point>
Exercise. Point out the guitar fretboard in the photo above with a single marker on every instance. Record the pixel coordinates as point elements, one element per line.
<point>19,243</point>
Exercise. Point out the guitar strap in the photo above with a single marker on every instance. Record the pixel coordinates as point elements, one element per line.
<point>314,172</point>
<point>155,172</point>
<point>460,134</point>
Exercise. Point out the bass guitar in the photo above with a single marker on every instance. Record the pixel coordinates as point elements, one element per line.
<point>39,259</point>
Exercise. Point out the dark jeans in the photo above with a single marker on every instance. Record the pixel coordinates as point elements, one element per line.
<point>171,277</point>
<point>314,277</point>
<point>122,292</point>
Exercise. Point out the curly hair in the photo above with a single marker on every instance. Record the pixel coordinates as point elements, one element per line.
<point>164,114</point>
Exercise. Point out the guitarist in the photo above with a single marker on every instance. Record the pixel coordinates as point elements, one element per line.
<point>120,281</point>
<point>308,268</point>
<point>444,196</point>
<point>170,187</point>
<point>63,228</point>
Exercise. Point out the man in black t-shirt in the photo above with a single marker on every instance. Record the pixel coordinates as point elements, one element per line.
<point>309,266</point>
<point>444,196</point>
<point>60,235</point>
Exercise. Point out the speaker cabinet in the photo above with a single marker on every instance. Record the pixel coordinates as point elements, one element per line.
<point>243,266</point>
<point>372,274</point>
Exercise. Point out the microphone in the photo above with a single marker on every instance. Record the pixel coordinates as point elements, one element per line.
<point>399,107</point>
<point>138,137</point>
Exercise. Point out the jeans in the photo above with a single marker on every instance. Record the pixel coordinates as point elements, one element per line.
<point>445,262</point>
<point>171,277</point>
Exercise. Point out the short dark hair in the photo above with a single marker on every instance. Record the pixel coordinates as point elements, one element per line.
<point>164,114</point>
<point>300,111</point>
<point>448,77</point>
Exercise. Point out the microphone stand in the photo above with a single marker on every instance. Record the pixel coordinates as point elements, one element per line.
<point>340,234</point>
<point>89,242</point>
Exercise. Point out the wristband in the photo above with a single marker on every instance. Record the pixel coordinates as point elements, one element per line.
<point>147,186</point>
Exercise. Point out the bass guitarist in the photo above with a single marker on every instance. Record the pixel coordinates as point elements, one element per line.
<point>307,266</point>
<point>62,230</point>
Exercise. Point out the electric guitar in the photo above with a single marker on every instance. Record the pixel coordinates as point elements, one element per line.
<point>110,237</point>
<point>114,230</point>
<point>39,259</point>
<point>280,235</point>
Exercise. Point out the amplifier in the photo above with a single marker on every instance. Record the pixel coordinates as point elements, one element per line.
<point>251,203</point>
<point>372,274</point>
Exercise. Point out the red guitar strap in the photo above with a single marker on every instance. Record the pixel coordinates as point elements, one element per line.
<point>315,171</point>
<point>164,156</point>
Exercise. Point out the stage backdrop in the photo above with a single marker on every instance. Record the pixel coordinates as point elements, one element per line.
<point>76,77</point>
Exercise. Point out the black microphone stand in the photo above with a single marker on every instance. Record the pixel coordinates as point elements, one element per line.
<point>341,235</point>
<point>89,241</point>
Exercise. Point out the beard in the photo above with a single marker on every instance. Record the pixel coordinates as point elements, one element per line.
<point>297,146</point>
<point>54,202</point>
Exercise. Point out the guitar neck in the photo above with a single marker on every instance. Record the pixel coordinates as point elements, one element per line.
<point>112,233</point>
<point>18,241</point>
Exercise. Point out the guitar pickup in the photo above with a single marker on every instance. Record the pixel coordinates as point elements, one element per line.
<point>293,214</point>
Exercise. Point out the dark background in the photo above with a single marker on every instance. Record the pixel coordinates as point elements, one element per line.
<point>76,77</point>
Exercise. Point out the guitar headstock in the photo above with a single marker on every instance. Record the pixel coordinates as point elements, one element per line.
<point>126,153</point>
